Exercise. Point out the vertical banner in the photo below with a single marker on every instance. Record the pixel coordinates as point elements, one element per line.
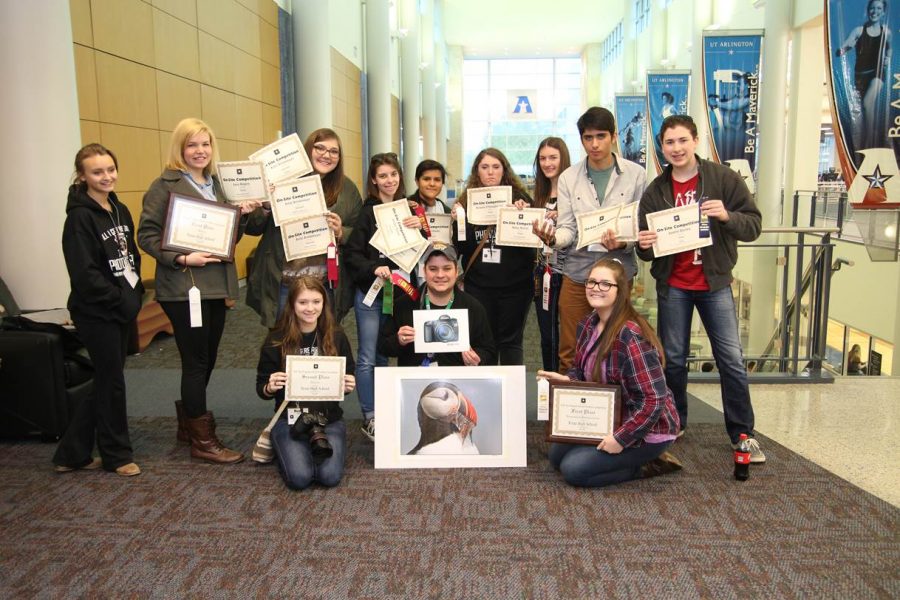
<point>865,98</point>
<point>631,120</point>
<point>731,62</point>
<point>667,95</point>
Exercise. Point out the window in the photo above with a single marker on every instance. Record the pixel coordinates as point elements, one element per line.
<point>641,10</point>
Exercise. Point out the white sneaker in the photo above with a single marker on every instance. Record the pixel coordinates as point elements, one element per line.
<point>756,454</point>
<point>368,429</point>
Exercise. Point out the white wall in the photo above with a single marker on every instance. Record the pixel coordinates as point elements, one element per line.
<point>345,29</point>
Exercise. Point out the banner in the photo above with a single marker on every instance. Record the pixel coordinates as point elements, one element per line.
<point>865,98</point>
<point>667,95</point>
<point>631,120</point>
<point>731,84</point>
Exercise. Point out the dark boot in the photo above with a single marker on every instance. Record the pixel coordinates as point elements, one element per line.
<point>182,436</point>
<point>662,465</point>
<point>205,444</point>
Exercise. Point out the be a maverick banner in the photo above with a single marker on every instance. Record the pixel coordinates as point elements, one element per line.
<point>667,95</point>
<point>731,62</point>
<point>865,98</point>
<point>631,119</point>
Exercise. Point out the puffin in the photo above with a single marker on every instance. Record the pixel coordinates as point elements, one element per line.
<point>446,420</point>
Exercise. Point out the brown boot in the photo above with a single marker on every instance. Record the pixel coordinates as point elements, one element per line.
<point>662,465</point>
<point>183,437</point>
<point>205,444</point>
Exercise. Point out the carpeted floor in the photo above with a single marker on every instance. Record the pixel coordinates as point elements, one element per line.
<point>189,529</point>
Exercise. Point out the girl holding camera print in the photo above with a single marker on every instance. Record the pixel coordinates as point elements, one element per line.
<point>312,448</point>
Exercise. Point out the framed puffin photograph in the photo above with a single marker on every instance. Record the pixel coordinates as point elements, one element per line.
<point>450,417</point>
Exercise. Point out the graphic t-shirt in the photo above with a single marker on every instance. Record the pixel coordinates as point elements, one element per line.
<point>687,272</point>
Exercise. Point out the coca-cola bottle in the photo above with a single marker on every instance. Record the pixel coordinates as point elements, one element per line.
<point>742,459</point>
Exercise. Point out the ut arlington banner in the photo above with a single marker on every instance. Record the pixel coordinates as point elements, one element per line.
<point>731,83</point>
<point>667,94</point>
<point>865,98</point>
<point>631,120</point>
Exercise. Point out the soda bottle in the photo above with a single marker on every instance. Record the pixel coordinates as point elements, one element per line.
<point>742,459</point>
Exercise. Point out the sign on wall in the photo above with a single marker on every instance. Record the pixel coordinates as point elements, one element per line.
<point>667,95</point>
<point>631,120</point>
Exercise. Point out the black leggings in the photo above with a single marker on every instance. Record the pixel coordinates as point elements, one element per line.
<point>507,311</point>
<point>198,347</point>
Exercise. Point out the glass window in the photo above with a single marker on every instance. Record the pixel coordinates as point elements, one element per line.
<point>880,357</point>
<point>834,345</point>
<point>857,352</point>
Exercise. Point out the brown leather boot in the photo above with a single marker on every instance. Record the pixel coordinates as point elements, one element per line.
<point>183,437</point>
<point>205,444</point>
<point>664,464</point>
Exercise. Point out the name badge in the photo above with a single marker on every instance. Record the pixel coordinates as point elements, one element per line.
<point>490,255</point>
<point>293,414</point>
<point>597,248</point>
<point>131,277</point>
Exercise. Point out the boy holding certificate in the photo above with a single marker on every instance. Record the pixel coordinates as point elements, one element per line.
<point>701,277</point>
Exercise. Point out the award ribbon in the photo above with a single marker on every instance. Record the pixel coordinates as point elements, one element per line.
<point>387,299</point>
<point>420,212</point>
<point>332,262</point>
<point>404,285</point>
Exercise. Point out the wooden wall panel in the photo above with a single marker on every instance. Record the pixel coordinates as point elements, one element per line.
<point>185,10</point>
<point>90,132</point>
<point>138,152</point>
<point>219,111</point>
<point>81,22</point>
<point>176,47</point>
<point>126,91</point>
<point>124,28</point>
<point>86,82</point>
<point>176,98</point>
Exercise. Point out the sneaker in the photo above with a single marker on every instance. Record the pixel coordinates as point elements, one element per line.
<point>129,470</point>
<point>756,453</point>
<point>95,464</point>
<point>369,428</point>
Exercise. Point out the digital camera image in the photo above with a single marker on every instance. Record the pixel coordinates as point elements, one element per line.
<point>443,329</point>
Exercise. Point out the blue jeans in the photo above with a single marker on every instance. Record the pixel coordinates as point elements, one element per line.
<point>369,321</point>
<point>283,291</point>
<point>295,461</point>
<point>717,313</point>
<point>585,466</point>
<point>548,320</point>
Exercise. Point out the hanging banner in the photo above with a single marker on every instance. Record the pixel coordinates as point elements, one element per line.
<point>731,62</point>
<point>631,119</point>
<point>865,98</point>
<point>667,95</point>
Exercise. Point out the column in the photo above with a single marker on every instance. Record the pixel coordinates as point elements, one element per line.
<point>39,120</point>
<point>410,76</point>
<point>697,109</point>
<point>312,66</point>
<point>378,75</point>
<point>428,112</point>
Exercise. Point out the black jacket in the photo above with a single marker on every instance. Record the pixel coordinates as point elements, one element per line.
<point>716,182</point>
<point>99,291</point>
<point>481,339</point>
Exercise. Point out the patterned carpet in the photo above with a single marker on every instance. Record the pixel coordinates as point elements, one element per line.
<point>190,529</point>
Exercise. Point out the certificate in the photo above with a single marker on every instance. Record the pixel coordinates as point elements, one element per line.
<point>405,259</point>
<point>482,204</point>
<point>394,235</point>
<point>677,230</point>
<point>306,236</point>
<point>441,330</point>
<point>627,223</point>
<point>440,226</point>
<point>583,413</point>
<point>297,198</point>
<point>243,180</point>
<point>314,378</point>
<point>592,225</point>
<point>514,226</point>
<point>284,159</point>
<point>195,225</point>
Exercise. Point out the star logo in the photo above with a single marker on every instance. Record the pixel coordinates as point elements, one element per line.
<point>876,179</point>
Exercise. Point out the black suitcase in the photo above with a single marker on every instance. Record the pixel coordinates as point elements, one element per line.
<point>39,385</point>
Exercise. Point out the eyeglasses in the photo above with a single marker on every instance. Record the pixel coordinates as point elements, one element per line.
<point>323,149</point>
<point>603,286</point>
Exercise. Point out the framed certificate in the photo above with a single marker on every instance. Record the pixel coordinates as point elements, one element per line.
<point>243,180</point>
<point>582,412</point>
<point>284,159</point>
<point>394,235</point>
<point>298,197</point>
<point>514,226</point>
<point>677,229</point>
<point>195,225</point>
<point>592,225</point>
<point>314,378</point>
<point>483,204</point>
<point>306,236</point>
<point>440,225</point>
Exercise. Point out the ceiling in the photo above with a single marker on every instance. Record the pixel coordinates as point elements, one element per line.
<point>528,28</point>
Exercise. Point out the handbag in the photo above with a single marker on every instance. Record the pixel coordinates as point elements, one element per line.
<point>262,450</point>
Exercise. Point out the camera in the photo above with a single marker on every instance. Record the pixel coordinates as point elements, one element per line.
<point>312,424</point>
<point>443,329</point>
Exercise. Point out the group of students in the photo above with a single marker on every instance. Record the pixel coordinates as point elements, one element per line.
<point>589,329</point>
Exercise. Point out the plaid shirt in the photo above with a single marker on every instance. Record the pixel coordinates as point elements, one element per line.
<point>634,365</point>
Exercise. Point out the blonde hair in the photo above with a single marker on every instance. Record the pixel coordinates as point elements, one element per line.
<point>185,130</point>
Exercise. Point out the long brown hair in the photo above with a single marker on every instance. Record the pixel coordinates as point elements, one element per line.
<point>289,323</point>
<point>385,158</point>
<point>622,312</point>
<point>87,152</point>
<point>333,182</point>
<point>509,177</point>
<point>542,184</point>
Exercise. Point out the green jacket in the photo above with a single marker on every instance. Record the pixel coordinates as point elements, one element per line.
<point>264,280</point>
<point>216,280</point>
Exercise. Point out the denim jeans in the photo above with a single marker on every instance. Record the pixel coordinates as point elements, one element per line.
<point>369,321</point>
<point>548,320</point>
<point>585,466</point>
<point>717,313</point>
<point>295,461</point>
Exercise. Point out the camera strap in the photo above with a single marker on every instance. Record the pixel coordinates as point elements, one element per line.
<point>426,362</point>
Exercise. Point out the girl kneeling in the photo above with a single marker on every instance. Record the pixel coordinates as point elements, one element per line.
<point>617,346</point>
<point>307,328</point>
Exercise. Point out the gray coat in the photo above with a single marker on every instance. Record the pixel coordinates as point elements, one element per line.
<point>264,281</point>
